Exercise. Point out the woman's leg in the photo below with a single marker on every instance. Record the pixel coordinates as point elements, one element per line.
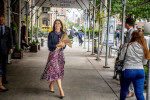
<point>60,87</point>
<point>51,86</point>
<point>125,81</point>
<point>79,41</point>
<point>139,84</point>
<point>1,85</point>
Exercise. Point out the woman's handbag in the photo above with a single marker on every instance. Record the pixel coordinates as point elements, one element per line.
<point>119,65</point>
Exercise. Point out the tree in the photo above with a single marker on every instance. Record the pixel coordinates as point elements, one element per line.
<point>139,12</point>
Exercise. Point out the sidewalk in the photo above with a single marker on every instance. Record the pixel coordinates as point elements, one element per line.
<point>85,78</point>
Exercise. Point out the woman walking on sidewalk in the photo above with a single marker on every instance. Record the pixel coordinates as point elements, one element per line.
<point>135,53</point>
<point>54,70</point>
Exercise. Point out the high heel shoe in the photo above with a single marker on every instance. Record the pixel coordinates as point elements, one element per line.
<point>61,97</point>
<point>50,90</point>
<point>3,90</point>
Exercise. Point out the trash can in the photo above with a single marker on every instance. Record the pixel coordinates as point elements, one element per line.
<point>95,45</point>
<point>42,42</point>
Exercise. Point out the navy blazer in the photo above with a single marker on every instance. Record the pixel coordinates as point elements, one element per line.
<point>6,41</point>
<point>53,40</point>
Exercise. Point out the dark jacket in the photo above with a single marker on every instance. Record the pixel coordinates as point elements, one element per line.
<point>6,41</point>
<point>23,33</point>
<point>53,40</point>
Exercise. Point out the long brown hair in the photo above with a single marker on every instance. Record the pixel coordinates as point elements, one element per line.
<point>137,36</point>
<point>61,29</point>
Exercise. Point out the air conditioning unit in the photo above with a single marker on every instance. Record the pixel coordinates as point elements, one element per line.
<point>45,10</point>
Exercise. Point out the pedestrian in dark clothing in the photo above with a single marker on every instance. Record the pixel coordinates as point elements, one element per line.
<point>118,37</point>
<point>118,34</point>
<point>23,35</point>
<point>129,25</point>
<point>6,46</point>
<point>80,37</point>
<point>72,33</point>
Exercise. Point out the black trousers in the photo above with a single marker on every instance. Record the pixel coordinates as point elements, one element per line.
<point>3,62</point>
<point>24,44</point>
<point>80,41</point>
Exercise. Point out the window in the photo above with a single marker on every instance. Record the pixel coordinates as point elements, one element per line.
<point>44,21</point>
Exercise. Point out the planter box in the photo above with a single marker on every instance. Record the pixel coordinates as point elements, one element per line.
<point>34,48</point>
<point>17,54</point>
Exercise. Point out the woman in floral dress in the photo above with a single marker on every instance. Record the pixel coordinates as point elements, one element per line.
<point>54,70</point>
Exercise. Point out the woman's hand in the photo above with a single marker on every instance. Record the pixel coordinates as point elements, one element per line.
<point>61,44</point>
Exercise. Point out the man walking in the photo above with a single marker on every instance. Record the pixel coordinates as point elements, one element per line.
<point>118,36</point>
<point>129,25</point>
<point>23,35</point>
<point>80,37</point>
<point>72,33</point>
<point>6,46</point>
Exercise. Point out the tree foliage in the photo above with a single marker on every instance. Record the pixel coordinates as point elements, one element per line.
<point>139,12</point>
<point>69,24</point>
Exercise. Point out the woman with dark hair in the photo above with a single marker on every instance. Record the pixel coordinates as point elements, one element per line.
<point>54,70</point>
<point>135,53</point>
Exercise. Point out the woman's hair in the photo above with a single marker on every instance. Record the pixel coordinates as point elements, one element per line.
<point>137,36</point>
<point>61,29</point>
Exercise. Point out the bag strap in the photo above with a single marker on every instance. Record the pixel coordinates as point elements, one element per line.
<point>126,52</point>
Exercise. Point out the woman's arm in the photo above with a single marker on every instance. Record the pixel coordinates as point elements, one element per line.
<point>144,61</point>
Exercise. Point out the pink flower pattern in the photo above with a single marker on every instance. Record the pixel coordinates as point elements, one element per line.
<point>55,64</point>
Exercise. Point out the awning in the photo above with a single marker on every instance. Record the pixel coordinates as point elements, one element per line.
<point>79,4</point>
